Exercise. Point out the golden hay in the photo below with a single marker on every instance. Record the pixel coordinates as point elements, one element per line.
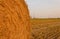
<point>14,20</point>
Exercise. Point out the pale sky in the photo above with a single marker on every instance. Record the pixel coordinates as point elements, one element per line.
<point>44,8</point>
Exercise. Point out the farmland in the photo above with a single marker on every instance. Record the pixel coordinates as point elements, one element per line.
<point>45,28</point>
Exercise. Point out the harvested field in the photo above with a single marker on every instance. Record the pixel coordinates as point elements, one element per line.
<point>45,29</point>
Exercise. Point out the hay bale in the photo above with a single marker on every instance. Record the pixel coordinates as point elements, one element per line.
<point>14,19</point>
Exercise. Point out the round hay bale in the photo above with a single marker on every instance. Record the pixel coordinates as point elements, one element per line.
<point>14,19</point>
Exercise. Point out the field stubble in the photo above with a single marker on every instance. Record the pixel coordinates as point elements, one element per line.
<point>45,29</point>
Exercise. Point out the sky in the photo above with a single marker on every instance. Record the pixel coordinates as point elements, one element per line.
<point>44,8</point>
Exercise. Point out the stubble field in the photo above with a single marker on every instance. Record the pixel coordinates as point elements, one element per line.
<point>45,28</point>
